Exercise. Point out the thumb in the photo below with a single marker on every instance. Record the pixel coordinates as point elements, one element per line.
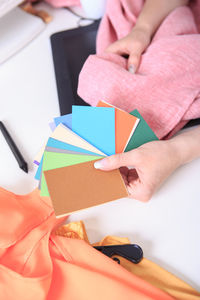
<point>116,161</point>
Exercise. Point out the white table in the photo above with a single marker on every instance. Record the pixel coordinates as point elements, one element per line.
<point>167,228</point>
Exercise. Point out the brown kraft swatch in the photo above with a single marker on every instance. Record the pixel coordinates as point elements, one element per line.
<point>82,186</point>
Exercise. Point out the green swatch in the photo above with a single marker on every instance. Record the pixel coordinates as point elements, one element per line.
<point>53,160</point>
<point>143,133</point>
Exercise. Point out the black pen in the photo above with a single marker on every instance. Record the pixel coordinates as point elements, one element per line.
<point>22,164</point>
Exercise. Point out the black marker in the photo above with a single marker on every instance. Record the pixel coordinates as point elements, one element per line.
<point>22,164</point>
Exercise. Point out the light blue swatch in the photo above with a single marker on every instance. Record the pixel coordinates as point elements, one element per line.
<point>65,120</point>
<point>39,170</point>
<point>96,125</point>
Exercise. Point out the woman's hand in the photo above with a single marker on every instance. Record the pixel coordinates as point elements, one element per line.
<point>133,45</point>
<point>152,163</point>
<point>150,18</point>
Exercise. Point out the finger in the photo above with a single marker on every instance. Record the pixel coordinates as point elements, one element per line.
<point>135,56</point>
<point>118,160</point>
<point>133,62</point>
<point>117,48</point>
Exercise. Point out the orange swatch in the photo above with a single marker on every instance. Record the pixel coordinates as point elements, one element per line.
<point>81,186</point>
<point>125,124</point>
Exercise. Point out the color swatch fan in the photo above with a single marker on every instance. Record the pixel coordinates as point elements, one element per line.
<point>66,170</point>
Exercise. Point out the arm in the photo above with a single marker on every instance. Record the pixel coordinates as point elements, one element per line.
<point>154,12</point>
<point>187,145</point>
<point>151,16</point>
<point>153,162</point>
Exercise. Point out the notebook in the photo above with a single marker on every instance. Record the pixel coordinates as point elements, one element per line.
<point>17,29</point>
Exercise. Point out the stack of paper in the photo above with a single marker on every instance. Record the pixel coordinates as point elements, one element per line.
<point>66,170</point>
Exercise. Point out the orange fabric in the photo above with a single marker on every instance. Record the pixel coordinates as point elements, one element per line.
<point>37,264</point>
<point>39,259</point>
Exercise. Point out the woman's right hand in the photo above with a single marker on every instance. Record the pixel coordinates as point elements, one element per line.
<point>151,164</point>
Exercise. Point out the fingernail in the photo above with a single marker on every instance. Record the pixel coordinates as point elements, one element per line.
<point>99,164</point>
<point>132,69</point>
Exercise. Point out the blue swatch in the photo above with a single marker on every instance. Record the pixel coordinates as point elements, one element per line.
<point>39,170</point>
<point>96,125</point>
<point>65,120</point>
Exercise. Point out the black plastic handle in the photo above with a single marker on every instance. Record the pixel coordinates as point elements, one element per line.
<point>132,252</point>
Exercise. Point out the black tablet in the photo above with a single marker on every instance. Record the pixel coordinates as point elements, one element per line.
<point>70,50</point>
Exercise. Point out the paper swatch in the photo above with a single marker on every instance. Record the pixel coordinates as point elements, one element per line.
<point>125,125</point>
<point>65,120</point>
<point>52,160</point>
<point>57,150</point>
<point>142,135</point>
<point>81,186</point>
<point>39,170</point>
<point>64,134</point>
<point>52,126</point>
<point>64,148</point>
<point>96,125</point>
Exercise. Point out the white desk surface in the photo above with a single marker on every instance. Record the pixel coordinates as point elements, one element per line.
<point>167,227</point>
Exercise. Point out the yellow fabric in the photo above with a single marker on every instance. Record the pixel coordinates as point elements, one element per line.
<point>146,269</point>
<point>74,230</point>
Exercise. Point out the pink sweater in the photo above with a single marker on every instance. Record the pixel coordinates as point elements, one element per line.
<point>166,87</point>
